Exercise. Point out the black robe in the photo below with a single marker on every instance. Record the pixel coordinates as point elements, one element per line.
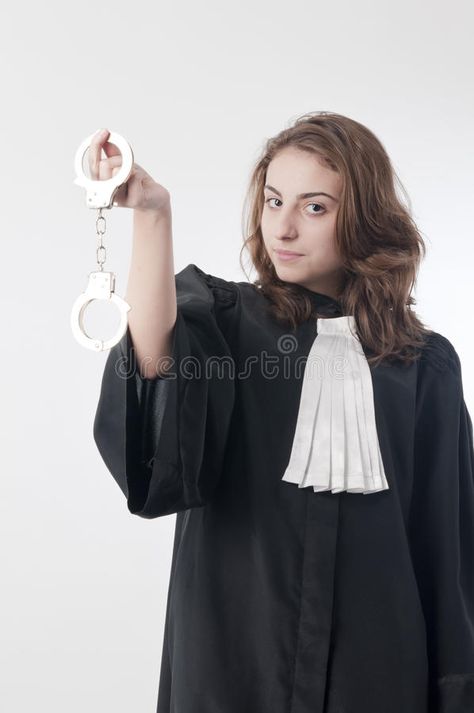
<point>283,600</point>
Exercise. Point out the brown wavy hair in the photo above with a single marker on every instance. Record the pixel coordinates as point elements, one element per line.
<point>377,239</point>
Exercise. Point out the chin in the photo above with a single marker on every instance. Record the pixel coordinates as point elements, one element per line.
<point>286,272</point>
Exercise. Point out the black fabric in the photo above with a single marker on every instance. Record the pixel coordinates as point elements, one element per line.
<point>283,600</point>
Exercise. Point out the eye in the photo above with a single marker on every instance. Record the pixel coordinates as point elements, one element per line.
<point>272,199</point>
<point>319,206</point>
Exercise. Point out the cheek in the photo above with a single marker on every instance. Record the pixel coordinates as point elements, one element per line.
<point>324,249</point>
<point>321,240</point>
<point>265,230</point>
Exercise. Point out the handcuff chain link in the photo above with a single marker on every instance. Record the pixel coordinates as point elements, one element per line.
<point>101,227</point>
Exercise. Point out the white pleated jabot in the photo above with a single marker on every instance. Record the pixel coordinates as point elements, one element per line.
<point>336,446</point>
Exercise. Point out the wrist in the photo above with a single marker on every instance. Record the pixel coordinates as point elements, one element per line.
<point>152,215</point>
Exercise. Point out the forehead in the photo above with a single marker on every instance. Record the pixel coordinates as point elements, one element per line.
<point>295,171</point>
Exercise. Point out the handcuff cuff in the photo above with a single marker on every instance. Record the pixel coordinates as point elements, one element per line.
<point>101,284</point>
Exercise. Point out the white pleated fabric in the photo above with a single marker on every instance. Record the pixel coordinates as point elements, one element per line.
<point>336,446</point>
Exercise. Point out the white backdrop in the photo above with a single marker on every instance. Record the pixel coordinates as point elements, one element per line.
<point>196,88</point>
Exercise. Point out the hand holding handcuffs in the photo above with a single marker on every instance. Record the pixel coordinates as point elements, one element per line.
<point>101,284</point>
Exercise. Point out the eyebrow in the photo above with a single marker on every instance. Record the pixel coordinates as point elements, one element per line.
<point>300,196</point>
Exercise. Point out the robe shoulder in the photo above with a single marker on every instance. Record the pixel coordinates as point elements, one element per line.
<point>439,393</point>
<point>439,354</point>
<point>193,278</point>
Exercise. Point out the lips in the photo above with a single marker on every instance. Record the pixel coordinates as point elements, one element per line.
<point>287,252</point>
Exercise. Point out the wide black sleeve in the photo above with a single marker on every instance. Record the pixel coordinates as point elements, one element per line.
<point>164,439</point>
<point>442,526</point>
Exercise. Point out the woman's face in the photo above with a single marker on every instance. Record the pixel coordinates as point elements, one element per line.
<point>302,224</point>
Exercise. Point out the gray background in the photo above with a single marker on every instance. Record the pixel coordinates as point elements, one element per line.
<point>195,88</point>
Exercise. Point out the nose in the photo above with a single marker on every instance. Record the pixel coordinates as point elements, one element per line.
<point>285,227</point>
<point>285,241</point>
<point>286,231</point>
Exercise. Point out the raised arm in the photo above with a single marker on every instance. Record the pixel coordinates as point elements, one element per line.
<point>151,290</point>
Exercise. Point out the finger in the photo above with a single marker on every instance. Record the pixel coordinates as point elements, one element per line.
<point>107,165</point>
<point>111,149</point>
<point>95,148</point>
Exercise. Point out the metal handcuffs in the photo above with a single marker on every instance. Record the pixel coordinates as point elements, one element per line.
<point>101,284</point>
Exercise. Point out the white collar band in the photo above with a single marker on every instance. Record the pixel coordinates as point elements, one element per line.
<point>336,446</point>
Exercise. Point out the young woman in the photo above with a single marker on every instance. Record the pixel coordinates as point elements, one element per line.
<point>312,437</point>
